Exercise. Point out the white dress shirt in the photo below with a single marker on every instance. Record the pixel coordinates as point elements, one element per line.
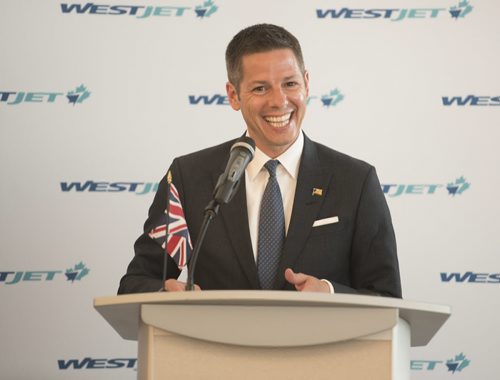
<point>256,177</point>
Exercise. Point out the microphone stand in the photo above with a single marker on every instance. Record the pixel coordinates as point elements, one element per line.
<point>225,189</point>
<point>210,213</point>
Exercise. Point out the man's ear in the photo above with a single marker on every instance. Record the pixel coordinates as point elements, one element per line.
<point>306,81</point>
<point>232,96</point>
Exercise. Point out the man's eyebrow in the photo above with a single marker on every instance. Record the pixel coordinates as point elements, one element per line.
<point>257,81</point>
<point>294,76</point>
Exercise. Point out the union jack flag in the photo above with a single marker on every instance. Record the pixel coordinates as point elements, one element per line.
<point>179,245</point>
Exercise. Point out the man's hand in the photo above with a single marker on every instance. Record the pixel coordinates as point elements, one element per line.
<point>172,285</point>
<point>306,283</point>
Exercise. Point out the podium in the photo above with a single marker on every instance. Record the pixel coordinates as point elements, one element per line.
<point>271,334</point>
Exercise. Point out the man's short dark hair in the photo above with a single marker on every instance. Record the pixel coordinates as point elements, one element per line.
<point>258,39</point>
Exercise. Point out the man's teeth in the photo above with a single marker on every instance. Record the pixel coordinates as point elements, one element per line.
<point>278,121</point>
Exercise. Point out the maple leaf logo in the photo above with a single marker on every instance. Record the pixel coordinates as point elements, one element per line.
<point>458,363</point>
<point>78,95</point>
<point>457,187</point>
<point>332,99</point>
<point>77,272</point>
<point>206,10</point>
<point>461,10</point>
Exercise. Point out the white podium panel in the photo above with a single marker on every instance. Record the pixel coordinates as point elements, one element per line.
<point>271,334</point>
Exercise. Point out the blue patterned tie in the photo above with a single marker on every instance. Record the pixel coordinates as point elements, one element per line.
<point>271,229</point>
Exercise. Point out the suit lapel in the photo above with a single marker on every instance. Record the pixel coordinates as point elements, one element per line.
<point>235,218</point>
<point>306,207</point>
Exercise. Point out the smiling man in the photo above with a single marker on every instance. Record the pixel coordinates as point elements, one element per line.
<point>306,218</point>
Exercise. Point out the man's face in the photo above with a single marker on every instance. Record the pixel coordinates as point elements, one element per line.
<point>272,99</point>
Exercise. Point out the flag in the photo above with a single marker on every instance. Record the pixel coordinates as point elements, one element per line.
<point>179,245</point>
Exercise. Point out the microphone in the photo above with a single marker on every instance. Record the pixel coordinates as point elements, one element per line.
<point>242,153</point>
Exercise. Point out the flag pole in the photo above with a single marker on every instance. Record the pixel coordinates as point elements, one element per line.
<point>167,227</point>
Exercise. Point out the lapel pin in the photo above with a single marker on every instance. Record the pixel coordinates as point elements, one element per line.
<point>317,192</point>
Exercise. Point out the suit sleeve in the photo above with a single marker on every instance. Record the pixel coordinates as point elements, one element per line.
<point>374,263</point>
<point>145,271</point>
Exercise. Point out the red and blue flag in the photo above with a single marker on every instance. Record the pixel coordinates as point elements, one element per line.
<point>179,245</point>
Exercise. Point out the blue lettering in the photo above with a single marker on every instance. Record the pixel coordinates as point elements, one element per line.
<point>99,186</point>
<point>134,9</point>
<point>479,277</point>
<point>333,13</point>
<point>17,278</point>
<point>402,15</point>
<point>73,363</point>
<point>399,191</point>
<point>495,99</point>
<point>76,185</point>
<point>447,101</point>
<point>119,363</point>
<point>481,101</point>
<point>204,99</point>
<point>418,13</point>
<point>147,188</point>
<point>147,12</point>
<point>37,275</point>
<point>445,277</point>
<point>97,363</point>
<point>118,186</point>
<point>422,13</point>
<point>90,363</point>
<point>3,276</point>
<point>115,363</point>
<point>167,11</point>
<point>375,13</point>
<point>414,189</point>
<point>32,276</point>
<point>484,278</point>
<point>5,95</point>
<point>52,96</point>
<point>133,186</point>
<point>109,187</point>
<point>494,278</point>
<point>432,188</point>
<point>119,10</point>
<point>418,365</point>
<point>68,8</point>
<point>99,9</point>
<point>386,188</point>
<point>355,13</point>
<point>34,97</point>
<point>28,276</point>
<point>19,98</point>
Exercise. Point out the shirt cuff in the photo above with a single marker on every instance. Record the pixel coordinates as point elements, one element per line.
<point>332,290</point>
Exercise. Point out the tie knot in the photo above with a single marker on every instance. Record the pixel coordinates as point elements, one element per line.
<point>271,166</point>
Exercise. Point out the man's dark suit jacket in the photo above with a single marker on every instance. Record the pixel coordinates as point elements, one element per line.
<point>357,254</point>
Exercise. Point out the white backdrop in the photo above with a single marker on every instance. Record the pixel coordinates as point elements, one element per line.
<point>143,90</point>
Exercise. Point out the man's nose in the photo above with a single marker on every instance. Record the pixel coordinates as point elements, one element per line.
<point>278,98</point>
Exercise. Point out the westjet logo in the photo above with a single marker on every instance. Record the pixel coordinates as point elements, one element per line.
<point>89,363</point>
<point>457,363</point>
<point>471,277</point>
<point>204,10</point>
<point>138,188</point>
<point>72,274</point>
<point>471,100</point>
<point>458,11</point>
<point>209,100</point>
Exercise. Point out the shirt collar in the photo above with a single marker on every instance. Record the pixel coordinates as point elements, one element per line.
<point>290,159</point>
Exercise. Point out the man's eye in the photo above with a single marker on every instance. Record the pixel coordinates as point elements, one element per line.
<point>291,84</point>
<point>259,89</point>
